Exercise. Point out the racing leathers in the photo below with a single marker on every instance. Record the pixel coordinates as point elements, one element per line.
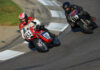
<point>81,13</point>
<point>32,22</point>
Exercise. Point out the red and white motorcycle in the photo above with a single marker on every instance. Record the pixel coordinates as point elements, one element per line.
<point>41,39</point>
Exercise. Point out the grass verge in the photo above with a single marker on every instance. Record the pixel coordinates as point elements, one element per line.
<point>9,13</point>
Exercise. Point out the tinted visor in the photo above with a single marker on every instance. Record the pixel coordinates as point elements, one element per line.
<point>67,9</point>
<point>22,20</point>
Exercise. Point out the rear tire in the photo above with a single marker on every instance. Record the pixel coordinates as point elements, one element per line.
<point>31,46</point>
<point>94,25</point>
<point>56,42</point>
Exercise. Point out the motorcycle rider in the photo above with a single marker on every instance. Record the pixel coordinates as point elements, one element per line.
<point>69,8</point>
<point>25,20</point>
<point>31,22</point>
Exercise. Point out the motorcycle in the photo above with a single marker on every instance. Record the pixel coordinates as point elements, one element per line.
<point>87,25</point>
<point>41,39</point>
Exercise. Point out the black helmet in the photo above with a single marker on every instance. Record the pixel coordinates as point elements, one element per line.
<point>66,5</point>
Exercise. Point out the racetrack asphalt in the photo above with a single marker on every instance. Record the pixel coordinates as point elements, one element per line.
<point>78,51</point>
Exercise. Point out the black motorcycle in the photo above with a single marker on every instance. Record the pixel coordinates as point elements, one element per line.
<point>86,25</point>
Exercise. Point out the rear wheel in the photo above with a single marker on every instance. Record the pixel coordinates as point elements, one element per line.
<point>94,25</point>
<point>56,41</point>
<point>40,45</point>
<point>30,45</point>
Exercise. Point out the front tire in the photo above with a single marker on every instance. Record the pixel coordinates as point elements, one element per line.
<point>40,45</point>
<point>85,28</point>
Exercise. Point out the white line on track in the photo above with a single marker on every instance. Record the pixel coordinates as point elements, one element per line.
<point>59,27</point>
<point>48,2</point>
<point>57,14</point>
<point>9,54</point>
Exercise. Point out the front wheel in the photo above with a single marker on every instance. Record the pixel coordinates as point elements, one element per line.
<point>72,25</point>
<point>40,45</point>
<point>85,27</point>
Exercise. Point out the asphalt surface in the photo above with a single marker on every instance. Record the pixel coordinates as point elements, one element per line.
<point>78,51</point>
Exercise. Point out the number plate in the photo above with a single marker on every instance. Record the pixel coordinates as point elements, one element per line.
<point>28,34</point>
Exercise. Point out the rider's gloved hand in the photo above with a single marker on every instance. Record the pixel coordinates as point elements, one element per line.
<point>42,27</point>
<point>38,27</point>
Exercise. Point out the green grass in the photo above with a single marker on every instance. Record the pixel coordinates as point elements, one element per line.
<point>9,12</point>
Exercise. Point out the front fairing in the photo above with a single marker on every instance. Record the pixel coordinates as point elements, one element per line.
<point>45,36</point>
<point>29,34</point>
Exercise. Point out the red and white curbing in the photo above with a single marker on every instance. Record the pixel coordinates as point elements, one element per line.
<point>48,2</point>
<point>57,14</point>
<point>60,27</point>
<point>9,54</point>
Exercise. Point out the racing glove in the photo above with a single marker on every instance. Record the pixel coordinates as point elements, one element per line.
<point>40,27</point>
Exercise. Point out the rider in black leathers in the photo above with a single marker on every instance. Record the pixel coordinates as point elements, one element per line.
<point>69,8</point>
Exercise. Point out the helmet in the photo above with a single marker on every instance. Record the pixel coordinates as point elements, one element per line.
<point>23,17</point>
<point>66,5</point>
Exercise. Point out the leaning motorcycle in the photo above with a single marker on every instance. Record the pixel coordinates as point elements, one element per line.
<point>41,39</point>
<point>86,25</point>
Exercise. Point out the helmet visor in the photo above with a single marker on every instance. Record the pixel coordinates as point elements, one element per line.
<point>22,20</point>
<point>67,9</point>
